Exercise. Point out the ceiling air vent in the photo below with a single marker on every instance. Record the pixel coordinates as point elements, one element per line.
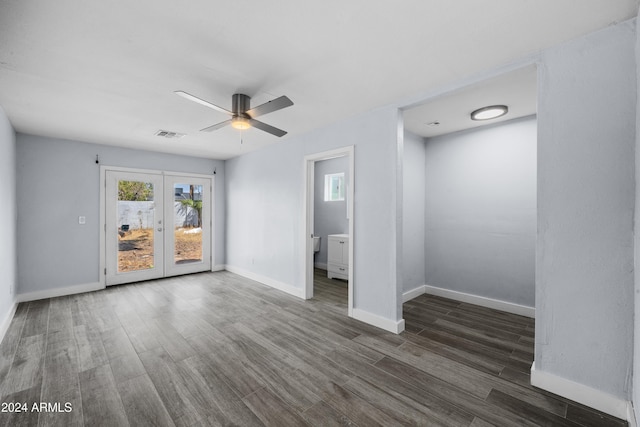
<point>169,135</point>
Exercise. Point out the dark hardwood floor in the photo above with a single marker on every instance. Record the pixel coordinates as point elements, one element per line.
<point>218,349</point>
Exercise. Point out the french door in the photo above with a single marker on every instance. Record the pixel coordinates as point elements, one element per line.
<point>156,225</point>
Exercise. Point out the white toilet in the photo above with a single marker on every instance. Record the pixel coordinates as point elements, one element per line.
<point>316,243</point>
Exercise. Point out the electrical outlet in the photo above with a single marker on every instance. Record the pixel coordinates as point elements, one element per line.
<point>82,220</point>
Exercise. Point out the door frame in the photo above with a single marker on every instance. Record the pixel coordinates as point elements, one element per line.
<point>308,217</point>
<point>103,219</point>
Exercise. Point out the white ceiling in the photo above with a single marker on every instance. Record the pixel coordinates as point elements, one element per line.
<point>105,71</point>
<point>517,90</point>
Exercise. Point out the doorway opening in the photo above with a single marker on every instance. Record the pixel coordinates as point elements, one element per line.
<point>328,237</point>
<point>470,194</point>
<point>156,224</point>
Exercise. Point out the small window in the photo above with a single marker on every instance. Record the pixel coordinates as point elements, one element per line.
<point>334,187</point>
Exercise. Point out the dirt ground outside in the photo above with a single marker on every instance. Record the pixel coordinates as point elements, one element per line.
<point>135,249</point>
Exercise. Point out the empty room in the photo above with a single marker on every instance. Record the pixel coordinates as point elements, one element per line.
<point>276,213</point>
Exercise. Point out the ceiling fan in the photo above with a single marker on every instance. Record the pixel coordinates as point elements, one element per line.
<point>242,116</point>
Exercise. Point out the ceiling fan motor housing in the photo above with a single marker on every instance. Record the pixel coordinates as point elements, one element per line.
<point>240,104</point>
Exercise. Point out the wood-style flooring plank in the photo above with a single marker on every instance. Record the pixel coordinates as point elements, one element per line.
<point>437,410</point>
<point>27,366</point>
<point>60,380</point>
<point>124,361</point>
<point>234,369</point>
<point>325,340</point>
<point>459,396</point>
<point>438,366</point>
<point>140,335</point>
<point>479,422</point>
<point>493,364</point>
<point>91,352</point>
<point>9,344</point>
<point>314,363</point>
<point>101,402</point>
<point>277,375</point>
<point>216,349</point>
<point>591,418</point>
<point>356,408</point>
<point>170,339</point>
<point>495,315</point>
<point>25,417</point>
<point>271,410</point>
<point>170,386</point>
<point>37,318</point>
<point>213,396</point>
<point>60,316</point>
<point>401,412</point>
<point>527,410</point>
<point>142,404</point>
<point>321,414</point>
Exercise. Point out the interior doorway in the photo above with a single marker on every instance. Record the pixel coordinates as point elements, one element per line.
<point>335,187</point>
<point>156,224</point>
<point>469,211</point>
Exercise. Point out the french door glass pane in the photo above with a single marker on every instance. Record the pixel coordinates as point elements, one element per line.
<point>136,219</point>
<point>187,223</point>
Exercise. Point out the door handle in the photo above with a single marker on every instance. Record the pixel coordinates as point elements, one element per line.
<point>159,228</point>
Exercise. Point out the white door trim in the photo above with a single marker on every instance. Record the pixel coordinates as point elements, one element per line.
<point>307,217</point>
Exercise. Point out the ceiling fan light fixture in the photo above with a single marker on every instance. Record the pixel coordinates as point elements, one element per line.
<point>240,123</point>
<point>490,112</point>
<point>242,116</point>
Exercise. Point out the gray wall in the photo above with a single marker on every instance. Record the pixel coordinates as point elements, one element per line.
<point>265,201</point>
<point>329,217</point>
<point>584,263</point>
<point>58,180</point>
<point>413,202</point>
<point>480,222</point>
<point>636,325</point>
<point>8,214</point>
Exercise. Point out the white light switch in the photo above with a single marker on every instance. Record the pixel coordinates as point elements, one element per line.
<point>82,220</point>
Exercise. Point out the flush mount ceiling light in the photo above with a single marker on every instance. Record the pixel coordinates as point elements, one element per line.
<point>488,113</point>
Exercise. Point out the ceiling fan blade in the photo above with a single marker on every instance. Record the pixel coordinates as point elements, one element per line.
<point>201,101</point>
<point>269,107</point>
<point>216,126</point>
<point>267,128</point>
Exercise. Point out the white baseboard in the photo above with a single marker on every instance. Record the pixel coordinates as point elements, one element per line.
<point>320,265</point>
<point>291,290</point>
<point>580,393</point>
<point>219,267</point>
<point>631,415</point>
<point>395,326</point>
<point>59,292</point>
<point>4,325</point>
<point>509,307</point>
<point>413,293</point>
